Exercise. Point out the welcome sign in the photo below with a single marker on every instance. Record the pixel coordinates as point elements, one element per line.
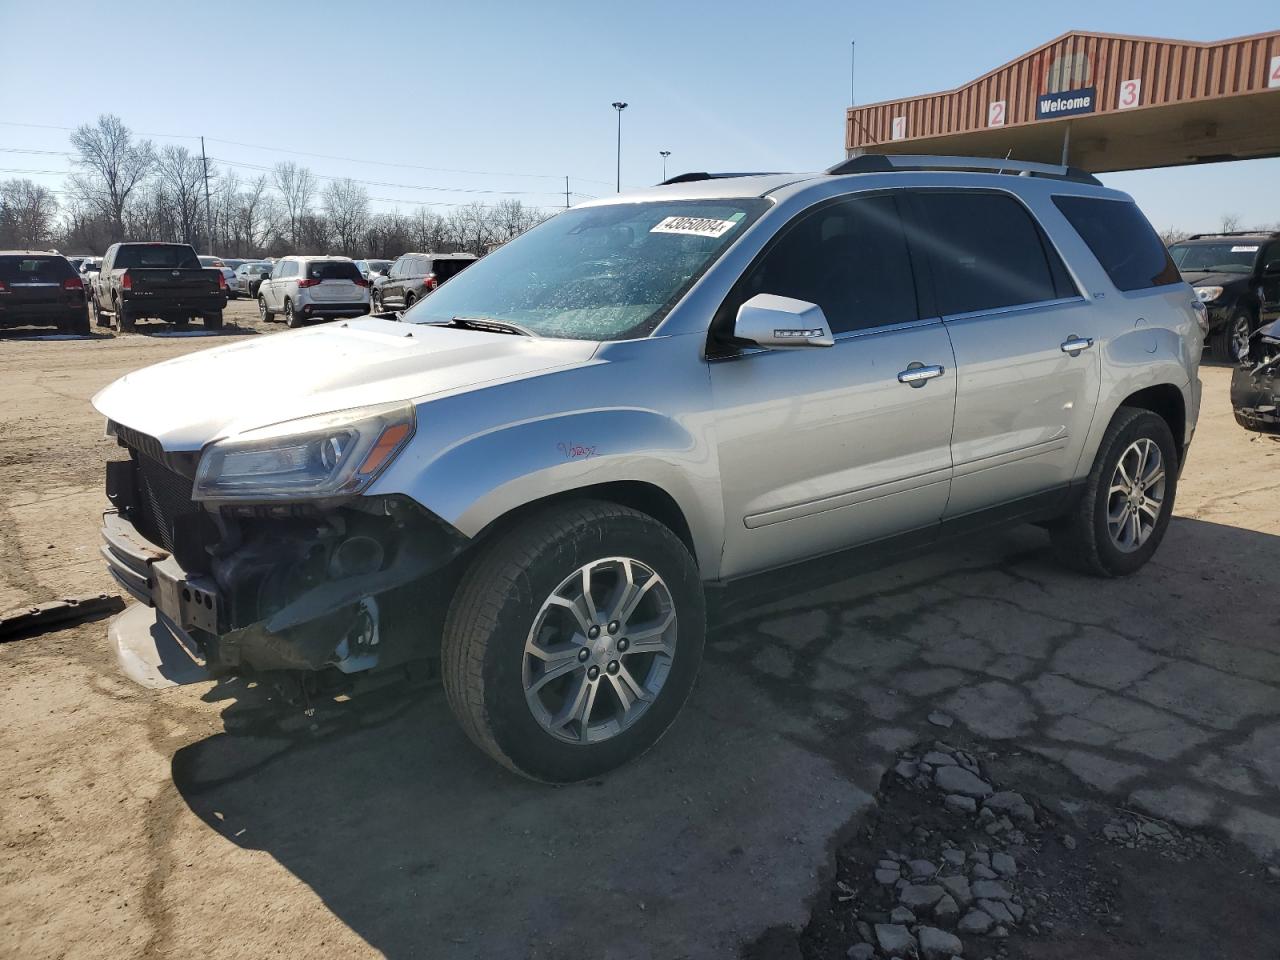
<point>1068,103</point>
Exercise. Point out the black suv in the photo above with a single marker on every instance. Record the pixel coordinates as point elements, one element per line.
<point>41,289</point>
<point>414,275</point>
<point>1237,276</point>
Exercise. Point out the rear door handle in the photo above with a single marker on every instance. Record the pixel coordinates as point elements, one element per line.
<point>1073,344</point>
<point>918,375</point>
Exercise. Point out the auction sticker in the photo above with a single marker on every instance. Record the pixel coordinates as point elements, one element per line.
<point>1252,249</point>
<point>696,226</point>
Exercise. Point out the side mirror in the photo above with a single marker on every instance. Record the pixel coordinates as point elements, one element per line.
<point>265,275</point>
<point>781,323</point>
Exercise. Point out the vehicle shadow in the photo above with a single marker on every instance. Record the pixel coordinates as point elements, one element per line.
<point>424,847</point>
<point>47,333</point>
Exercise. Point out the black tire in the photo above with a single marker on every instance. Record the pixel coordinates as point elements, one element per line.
<point>100,319</point>
<point>291,318</point>
<point>79,324</point>
<point>265,315</point>
<point>1081,539</point>
<point>182,323</point>
<point>1225,337</point>
<point>375,305</point>
<point>409,300</point>
<point>213,321</point>
<point>493,611</point>
<point>124,319</point>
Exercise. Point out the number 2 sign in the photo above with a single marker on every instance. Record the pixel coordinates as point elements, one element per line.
<point>1130,94</point>
<point>996,113</point>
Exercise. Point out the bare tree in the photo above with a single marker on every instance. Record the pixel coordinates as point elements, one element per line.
<point>112,166</point>
<point>1172,235</point>
<point>28,215</point>
<point>1230,223</point>
<point>428,231</point>
<point>181,176</point>
<point>297,187</point>
<point>347,205</point>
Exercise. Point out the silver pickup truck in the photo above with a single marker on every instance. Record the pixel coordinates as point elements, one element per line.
<point>534,476</point>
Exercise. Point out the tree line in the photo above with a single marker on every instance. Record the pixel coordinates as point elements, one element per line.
<point>125,188</point>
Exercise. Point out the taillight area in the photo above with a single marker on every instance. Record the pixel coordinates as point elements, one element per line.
<point>362,282</point>
<point>4,287</point>
<point>126,281</point>
<point>431,282</point>
<point>222,280</point>
<point>73,283</point>
<point>308,282</point>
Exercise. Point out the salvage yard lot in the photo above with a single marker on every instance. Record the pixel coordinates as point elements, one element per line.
<point>205,821</point>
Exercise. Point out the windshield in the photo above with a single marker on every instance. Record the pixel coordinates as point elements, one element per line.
<point>596,273</point>
<point>1225,257</point>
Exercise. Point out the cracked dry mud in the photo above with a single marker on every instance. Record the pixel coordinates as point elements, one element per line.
<point>185,822</point>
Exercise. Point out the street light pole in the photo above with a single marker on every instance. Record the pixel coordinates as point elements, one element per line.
<point>664,154</point>
<point>619,106</point>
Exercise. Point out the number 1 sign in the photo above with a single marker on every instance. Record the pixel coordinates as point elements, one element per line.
<point>899,131</point>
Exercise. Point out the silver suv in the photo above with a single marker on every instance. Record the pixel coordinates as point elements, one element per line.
<point>534,478</point>
<point>310,288</point>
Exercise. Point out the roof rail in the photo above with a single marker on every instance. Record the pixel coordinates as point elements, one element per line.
<point>694,177</point>
<point>895,163</point>
<point>1268,234</point>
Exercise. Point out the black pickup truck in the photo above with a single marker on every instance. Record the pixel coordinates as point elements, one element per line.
<point>162,280</point>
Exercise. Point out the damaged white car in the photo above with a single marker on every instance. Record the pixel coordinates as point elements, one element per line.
<point>531,476</point>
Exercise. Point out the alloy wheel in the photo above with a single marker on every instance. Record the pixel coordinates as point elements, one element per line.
<point>1240,338</point>
<point>599,651</point>
<point>1136,495</point>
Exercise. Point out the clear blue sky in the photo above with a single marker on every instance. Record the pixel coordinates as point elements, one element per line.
<point>520,88</point>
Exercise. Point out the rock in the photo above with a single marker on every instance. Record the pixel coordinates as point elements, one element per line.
<point>1016,837</point>
<point>865,932</point>
<point>946,909</point>
<point>1004,801</point>
<point>1068,841</point>
<point>959,780</point>
<point>902,915</point>
<point>895,940</point>
<point>990,890</point>
<point>982,872</point>
<point>986,816</point>
<point>921,869</point>
<point>939,759</point>
<point>995,827</point>
<point>887,865</point>
<point>999,933</point>
<point>959,804</point>
<point>1016,910</point>
<point>976,922</point>
<point>1152,829</point>
<point>861,951</point>
<point>887,877</point>
<point>906,769</point>
<point>1023,813</point>
<point>916,895</point>
<point>982,857</point>
<point>953,856</point>
<point>1273,872</point>
<point>937,944</point>
<point>1003,864</point>
<point>940,719</point>
<point>996,910</point>
<point>957,887</point>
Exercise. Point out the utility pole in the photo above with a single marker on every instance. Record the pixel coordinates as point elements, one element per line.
<point>853,59</point>
<point>619,106</point>
<point>208,214</point>
<point>566,191</point>
<point>664,154</point>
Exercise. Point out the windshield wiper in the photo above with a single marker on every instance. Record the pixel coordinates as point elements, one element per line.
<point>490,325</point>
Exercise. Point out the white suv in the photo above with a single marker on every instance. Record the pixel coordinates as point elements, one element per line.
<point>304,288</point>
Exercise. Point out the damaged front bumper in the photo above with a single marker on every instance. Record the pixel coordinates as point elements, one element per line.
<point>1255,385</point>
<point>352,587</point>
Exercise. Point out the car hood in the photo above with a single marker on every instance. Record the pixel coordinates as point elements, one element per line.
<point>1201,279</point>
<point>192,400</point>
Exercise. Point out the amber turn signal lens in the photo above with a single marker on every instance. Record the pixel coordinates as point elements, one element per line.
<point>387,444</point>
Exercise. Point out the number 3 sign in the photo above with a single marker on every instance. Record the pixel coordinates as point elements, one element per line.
<point>1130,94</point>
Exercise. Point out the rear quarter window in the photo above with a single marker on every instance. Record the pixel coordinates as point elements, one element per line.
<point>1123,241</point>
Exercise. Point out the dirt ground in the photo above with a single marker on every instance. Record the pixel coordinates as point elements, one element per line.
<point>207,820</point>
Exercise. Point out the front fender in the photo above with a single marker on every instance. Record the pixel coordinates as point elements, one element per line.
<point>480,478</point>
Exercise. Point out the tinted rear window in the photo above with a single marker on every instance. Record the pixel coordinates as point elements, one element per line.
<point>444,269</point>
<point>987,252</point>
<point>35,269</point>
<point>333,270</point>
<point>157,255</point>
<point>1122,240</point>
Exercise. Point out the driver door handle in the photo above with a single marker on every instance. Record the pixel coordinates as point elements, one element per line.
<point>917,376</point>
<point>1073,344</point>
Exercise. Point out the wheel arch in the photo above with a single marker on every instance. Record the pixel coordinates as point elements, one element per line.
<point>1166,401</point>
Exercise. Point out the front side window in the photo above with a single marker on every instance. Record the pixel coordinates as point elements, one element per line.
<point>1229,256</point>
<point>1123,241</point>
<point>850,258</point>
<point>986,252</point>
<point>596,273</point>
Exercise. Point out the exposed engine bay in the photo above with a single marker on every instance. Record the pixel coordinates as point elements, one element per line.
<point>1255,384</point>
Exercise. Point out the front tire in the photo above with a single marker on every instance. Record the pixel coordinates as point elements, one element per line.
<point>573,640</point>
<point>1231,341</point>
<point>264,314</point>
<point>1122,516</point>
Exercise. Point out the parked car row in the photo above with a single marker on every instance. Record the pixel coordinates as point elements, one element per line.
<point>1237,277</point>
<point>38,287</point>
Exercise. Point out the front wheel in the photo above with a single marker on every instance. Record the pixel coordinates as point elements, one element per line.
<point>1123,513</point>
<point>1231,342</point>
<point>573,640</point>
<point>264,314</point>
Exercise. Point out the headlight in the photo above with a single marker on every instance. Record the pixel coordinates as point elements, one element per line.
<point>1208,294</point>
<point>331,455</point>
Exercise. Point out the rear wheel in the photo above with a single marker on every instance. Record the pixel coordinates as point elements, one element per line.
<point>291,318</point>
<point>573,640</point>
<point>409,300</point>
<point>375,304</point>
<point>265,315</point>
<point>213,321</point>
<point>1120,519</point>
<point>181,322</point>
<point>100,319</point>
<point>78,324</point>
<point>124,319</point>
